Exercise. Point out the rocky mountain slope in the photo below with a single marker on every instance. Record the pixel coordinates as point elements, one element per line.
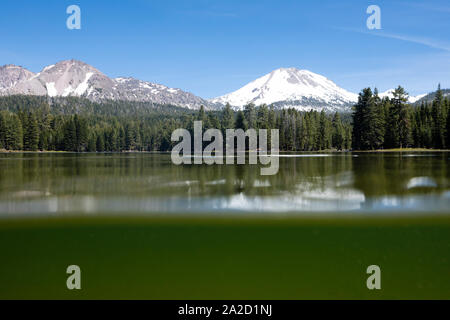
<point>76,78</point>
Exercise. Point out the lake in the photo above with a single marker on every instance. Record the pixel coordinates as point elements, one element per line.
<point>148,183</point>
<point>140,227</point>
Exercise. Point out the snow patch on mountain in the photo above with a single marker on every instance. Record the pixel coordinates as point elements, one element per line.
<point>82,87</point>
<point>51,89</point>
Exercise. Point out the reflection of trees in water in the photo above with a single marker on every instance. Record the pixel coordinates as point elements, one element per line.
<point>154,175</point>
<point>311,172</point>
<point>384,174</point>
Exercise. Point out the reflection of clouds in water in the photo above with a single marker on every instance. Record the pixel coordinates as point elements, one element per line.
<point>30,194</point>
<point>185,183</point>
<point>327,200</point>
<point>261,184</point>
<point>216,182</point>
<point>421,182</point>
<point>417,155</point>
<point>432,203</point>
<point>299,155</point>
<point>317,200</point>
<point>337,181</point>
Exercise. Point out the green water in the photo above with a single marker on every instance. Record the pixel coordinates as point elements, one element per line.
<point>142,228</point>
<point>149,183</point>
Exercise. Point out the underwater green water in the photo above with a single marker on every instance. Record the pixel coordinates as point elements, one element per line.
<point>142,228</point>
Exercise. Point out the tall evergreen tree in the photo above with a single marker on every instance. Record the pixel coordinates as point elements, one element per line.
<point>404,121</point>
<point>227,118</point>
<point>250,115</point>
<point>31,133</point>
<point>448,127</point>
<point>241,122</point>
<point>338,136</point>
<point>376,122</point>
<point>361,120</point>
<point>438,130</point>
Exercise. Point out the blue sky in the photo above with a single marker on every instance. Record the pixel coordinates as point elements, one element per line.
<point>214,47</point>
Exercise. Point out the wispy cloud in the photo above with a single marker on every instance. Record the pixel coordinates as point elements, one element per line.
<point>419,40</point>
<point>431,43</point>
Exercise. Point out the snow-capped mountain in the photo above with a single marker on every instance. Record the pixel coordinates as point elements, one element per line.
<point>291,87</point>
<point>283,88</point>
<point>389,94</point>
<point>76,78</point>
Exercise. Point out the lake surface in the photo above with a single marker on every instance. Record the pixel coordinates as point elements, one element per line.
<point>148,183</point>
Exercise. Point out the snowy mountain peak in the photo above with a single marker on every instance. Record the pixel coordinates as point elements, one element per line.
<point>69,78</point>
<point>291,87</point>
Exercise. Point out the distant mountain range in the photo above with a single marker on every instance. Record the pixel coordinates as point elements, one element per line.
<point>283,88</point>
<point>76,78</point>
<point>430,96</point>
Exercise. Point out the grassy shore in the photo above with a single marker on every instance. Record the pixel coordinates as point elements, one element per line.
<point>230,258</point>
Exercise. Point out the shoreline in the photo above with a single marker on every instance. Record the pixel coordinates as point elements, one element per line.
<point>282,151</point>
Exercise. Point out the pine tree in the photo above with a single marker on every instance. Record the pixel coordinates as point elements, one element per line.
<point>241,122</point>
<point>401,110</point>
<point>91,144</point>
<point>272,118</point>
<point>447,130</point>
<point>214,121</point>
<point>438,130</point>
<point>70,136</point>
<point>227,118</point>
<point>323,137</point>
<point>81,134</point>
<point>2,131</point>
<point>338,136</point>
<point>263,117</point>
<point>100,144</point>
<point>376,122</point>
<point>11,131</point>
<point>348,137</point>
<point>31,133</point>
<point>250,115</point>
<point>361,120</point>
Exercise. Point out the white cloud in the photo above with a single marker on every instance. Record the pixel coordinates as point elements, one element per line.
<point>431,43</point>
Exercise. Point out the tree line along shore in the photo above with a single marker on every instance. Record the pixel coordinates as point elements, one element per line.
<point>30,123</point>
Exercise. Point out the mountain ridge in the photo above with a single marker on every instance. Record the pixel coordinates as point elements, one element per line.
<point>283,88</point>
<point>76,78</point>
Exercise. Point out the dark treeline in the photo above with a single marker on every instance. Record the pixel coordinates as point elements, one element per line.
<point>392,123</point>
<point>34,123</point>
<point>46,127</point>
<point>73,124</point>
